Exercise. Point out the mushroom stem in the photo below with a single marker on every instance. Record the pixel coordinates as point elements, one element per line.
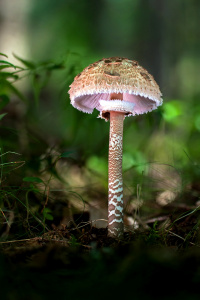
<point>115,180</point>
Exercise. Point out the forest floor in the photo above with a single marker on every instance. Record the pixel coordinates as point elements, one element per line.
<point>83,263</point>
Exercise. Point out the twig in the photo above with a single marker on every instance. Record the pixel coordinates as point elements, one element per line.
<point>153,220</point>
<point>16,241</point>
<point>87,223</point>
<point>180,237</point>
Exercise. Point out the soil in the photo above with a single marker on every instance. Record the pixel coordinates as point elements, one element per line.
<point>83,263</point>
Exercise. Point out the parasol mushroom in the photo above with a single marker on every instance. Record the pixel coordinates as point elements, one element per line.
<point>117,87</point>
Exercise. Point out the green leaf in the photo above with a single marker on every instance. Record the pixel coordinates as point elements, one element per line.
<point>4,75</point>
<point>7,63</point>
<point>47,213</point>
<point>197,122</point>
<point>47,210</point>
<point>13,89</point>
<point>54,66</point>
<point>49,65</point>
<point>4,67</point>
<point>172,110</point>
<point>49,217</point>
<point>3,54</point>
<point>2,115</point>
<point>27,63</point>
<point>33,179</point>
<point>4,101</point>
<point>66,154</point>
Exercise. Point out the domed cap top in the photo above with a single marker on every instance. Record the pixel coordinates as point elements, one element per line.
<point>92,88</point>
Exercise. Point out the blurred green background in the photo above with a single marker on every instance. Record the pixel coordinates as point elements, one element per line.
<point>55,40</point>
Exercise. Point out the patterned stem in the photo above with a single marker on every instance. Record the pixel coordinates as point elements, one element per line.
<point>115,180</point>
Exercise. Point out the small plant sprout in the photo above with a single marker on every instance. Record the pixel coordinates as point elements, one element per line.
<point>117,87</point>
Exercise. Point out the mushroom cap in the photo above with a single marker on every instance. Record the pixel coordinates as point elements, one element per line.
<point>93,87</point>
